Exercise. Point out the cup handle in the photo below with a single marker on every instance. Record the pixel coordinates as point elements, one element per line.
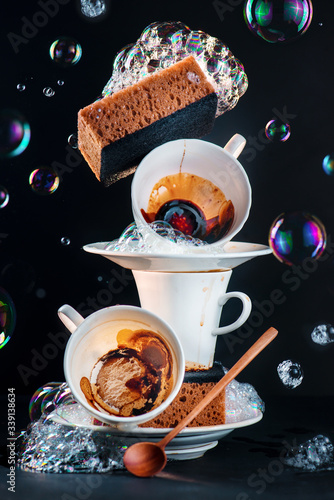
<point>246,310</point>
<point>70,317</point>
<point>235,145</point>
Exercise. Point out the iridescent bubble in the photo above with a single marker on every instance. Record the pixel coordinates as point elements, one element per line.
<point>196,43</point>
<point>48,92</point>
<point>323,334</point>
<point>73,141</point>
<point>277,131</point>
<point>65,51</point>
<point>14,133</point>
<point>7,317</point>
<point>278,20</point>
<point>291,373</point>
<point>296,236</point>
<point>60,83</point>
<point>157,33</point>
<point>44,180</point>
<point>65,241</point>
<point>20,87</point>
<point>93,8</point>
<point>328,164</point>
<point>47,398</point>
<point>4,197</point>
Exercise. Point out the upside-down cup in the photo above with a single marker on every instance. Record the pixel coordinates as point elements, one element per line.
<point>206,175</point>
<point>115,330</point>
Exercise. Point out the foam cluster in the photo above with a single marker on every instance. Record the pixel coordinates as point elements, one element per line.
<point>162,44</point>
<point>156,238</point>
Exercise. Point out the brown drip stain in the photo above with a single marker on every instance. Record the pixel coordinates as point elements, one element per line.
<point>214,214</point>
<point>134,378</point>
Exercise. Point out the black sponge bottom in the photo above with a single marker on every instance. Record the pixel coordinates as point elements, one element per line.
<point>213,374</point>
<point>192,122</point>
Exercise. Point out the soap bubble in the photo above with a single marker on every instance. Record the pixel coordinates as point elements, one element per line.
<point>291,373</point>
<point>4,197</point>
<point>323,334</point>
<point>93,8</point>
<point>14,133</point>
<point>73,141</point>
<point>315,454</point>
<point>242,401</point>
<point>278,20</point>
<point>20,87</point>
<point>48,92</point>
<point>328,164</point>
<point>276,131</point>
<point>65,241</point>
<point>44,180</point>
<point>163,44</point>
<point>60,83</point>
<point>7,317</point>
<point>296,236</point>
<point>47,398</point>
<point>65,51</point>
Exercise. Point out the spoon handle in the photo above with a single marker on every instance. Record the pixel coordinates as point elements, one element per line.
<point>249,355</point>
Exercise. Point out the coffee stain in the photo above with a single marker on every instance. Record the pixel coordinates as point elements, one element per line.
<point>143,362</point>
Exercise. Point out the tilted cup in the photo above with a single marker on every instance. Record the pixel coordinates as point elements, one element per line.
<point>95,336</point>
<point>192,304</point>
<point>200,158</point>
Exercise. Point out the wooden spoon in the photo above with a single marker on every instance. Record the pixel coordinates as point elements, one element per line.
<point>146,459</point>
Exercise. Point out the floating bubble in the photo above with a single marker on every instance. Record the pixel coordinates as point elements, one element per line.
<point>291,373</point>
<point>20,87</point>
<point>163,44</point>
<point>93,8</point>
<point>4,197</point>
<point>65,241</point>
<point>278,21</point>
<point>323,334</point>
<point>328,164</point>
<point>65,51</point>
<point>40,293</point>
<point>276,131</point>
<point>60,83</point>
<point>44,180</point>
<point>7,317</point>
<point>315,454</point>
<point>47,398</point>
<point>48,92</point>
<point>14,133</point>
<point>297,236</point>
<point>73,141</point>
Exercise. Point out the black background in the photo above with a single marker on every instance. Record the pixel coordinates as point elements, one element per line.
<point>297,77</point>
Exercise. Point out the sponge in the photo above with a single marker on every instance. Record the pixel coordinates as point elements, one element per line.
<point>116,132</point>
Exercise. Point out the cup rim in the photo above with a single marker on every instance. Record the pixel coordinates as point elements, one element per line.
<point>136,210</point>
<point>86,326</point>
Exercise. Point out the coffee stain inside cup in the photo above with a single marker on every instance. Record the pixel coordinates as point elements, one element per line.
<point>191,204</point>
<point>134,378</point>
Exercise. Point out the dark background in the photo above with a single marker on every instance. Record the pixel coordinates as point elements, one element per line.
<point>41,274</point>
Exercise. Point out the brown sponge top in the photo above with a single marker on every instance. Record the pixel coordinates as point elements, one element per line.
<point>135,107</point>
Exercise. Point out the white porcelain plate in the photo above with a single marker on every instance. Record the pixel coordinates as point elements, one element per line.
<point>192,442</point>
<point>232,255</point>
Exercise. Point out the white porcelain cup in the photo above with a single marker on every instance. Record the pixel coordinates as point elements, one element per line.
<point>192,304</point>
<point>96,335</point>
<point>204,159</point>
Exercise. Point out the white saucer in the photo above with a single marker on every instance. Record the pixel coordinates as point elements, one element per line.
<point>232,255</point>
<point>192,442</point>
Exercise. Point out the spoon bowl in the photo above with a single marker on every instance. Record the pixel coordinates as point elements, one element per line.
<point>146,459</point>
